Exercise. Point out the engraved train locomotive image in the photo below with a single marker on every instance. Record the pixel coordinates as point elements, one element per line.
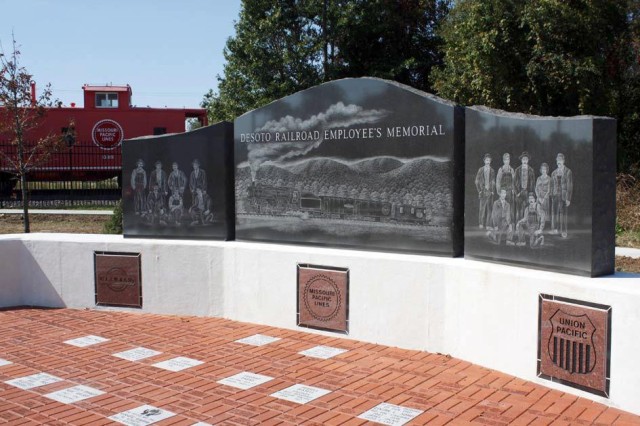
<point>273,200</point>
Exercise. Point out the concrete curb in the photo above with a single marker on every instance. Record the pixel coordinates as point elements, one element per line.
<point>627,251</point>
<point>67,212</point>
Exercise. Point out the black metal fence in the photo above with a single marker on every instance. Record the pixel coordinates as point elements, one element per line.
<point>81,175</point>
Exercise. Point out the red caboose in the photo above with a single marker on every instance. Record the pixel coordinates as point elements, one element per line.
<point>107,118</point>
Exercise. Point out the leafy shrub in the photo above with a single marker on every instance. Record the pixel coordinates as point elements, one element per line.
<point>114,225</point>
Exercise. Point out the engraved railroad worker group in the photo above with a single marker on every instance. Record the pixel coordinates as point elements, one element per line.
<point>526,204</point>
<point>486,186</point>
<point>562,190</point>
<point>525,182</point>
<point>159,199</point>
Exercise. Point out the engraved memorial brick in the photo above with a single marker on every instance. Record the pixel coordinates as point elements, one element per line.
<point>390,414</point>
<point>178,364</point>
<point>141,416</point>
<point>257,340</point>
<point>33,381</point>
<point>322,352</point>
<point>323,298</point>
<point>136,354</point>
<point>83,342</point>
<point>574,343</point>
<point>118,281</point>
<point>245,380</point>
<point>74,394</point>
<point>300,394</point>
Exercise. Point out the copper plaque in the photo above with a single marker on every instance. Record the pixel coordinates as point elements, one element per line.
<point>323,298</point>
<point>574,343</point>
<point>118,281</point>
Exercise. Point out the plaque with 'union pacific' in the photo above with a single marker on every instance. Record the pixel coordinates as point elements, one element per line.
<point>574,343</point>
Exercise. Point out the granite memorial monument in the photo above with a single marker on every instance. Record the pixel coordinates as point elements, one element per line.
<point>360,163</point>
<point>179,185</point>
<point>540,191</point>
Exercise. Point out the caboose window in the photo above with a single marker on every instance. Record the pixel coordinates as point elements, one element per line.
<point>106,100</point>
<point>310,203</point>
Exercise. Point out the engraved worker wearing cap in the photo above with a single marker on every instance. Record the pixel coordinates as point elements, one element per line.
<point>561,192</point>
<point>202,210</point>
<point>524,184</point>
<point>486,186</point>
<point>138,184</point>
<point>177,179</point>
<point>505,179</point>
<point>543,191</point>
<point>156,206</point>
<point>158,178</point>
<point>197,180</point>
<point>176,207</point>
<point>532,224</point>
<point>501,220</point>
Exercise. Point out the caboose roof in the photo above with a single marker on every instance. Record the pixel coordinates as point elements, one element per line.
<point>89,88</point>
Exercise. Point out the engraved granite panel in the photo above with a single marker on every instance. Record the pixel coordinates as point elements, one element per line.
<point>179,185</point>
<point>361,163</point>
<point>540,191</point>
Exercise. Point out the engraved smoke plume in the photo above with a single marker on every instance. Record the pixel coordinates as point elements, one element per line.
<point>337,115</point>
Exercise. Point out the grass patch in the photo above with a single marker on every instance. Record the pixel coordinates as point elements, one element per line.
<point>627,211</point>
<point>628,239</point>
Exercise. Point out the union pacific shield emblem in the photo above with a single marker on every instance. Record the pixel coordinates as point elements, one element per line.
<point>571,345</point>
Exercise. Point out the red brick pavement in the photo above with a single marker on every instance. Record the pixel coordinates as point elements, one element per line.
<point>447,390</point>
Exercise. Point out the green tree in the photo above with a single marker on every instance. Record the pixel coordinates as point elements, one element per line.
<point>392,39</point>
<point>274,53</point>
<point>547,57</point>
<point>287,46</point>
<point>19,114</point>
<point>627,95</point>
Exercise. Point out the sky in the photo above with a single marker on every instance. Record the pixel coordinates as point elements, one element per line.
<point>168,51</point>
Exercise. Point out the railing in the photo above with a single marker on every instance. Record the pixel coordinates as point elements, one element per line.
<point>83,174</point>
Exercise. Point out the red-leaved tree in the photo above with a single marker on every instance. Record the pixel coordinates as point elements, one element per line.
<point>20,112</point>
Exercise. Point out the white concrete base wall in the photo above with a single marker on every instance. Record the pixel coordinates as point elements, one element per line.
<point>480,312</point>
